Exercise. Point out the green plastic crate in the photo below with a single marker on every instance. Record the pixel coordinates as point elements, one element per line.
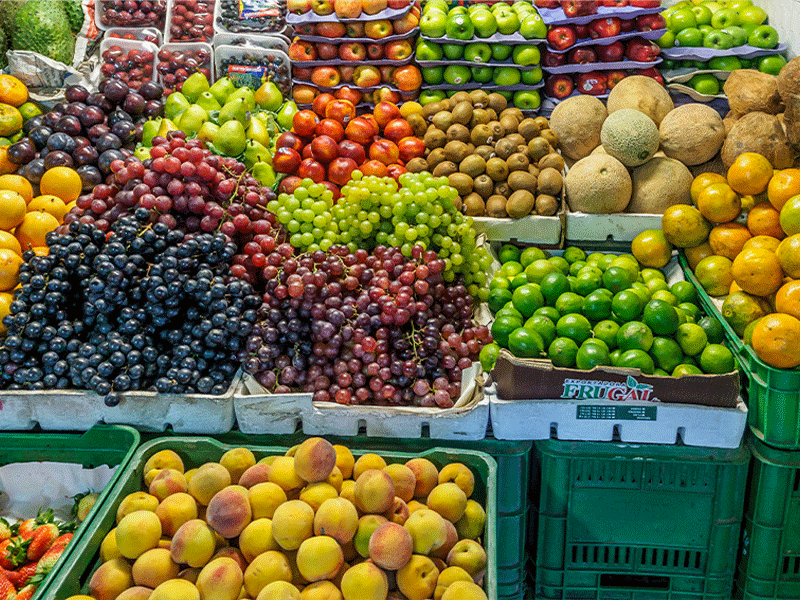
<point>637,521</point>
<point>74,576</point>
<point>769,567</point>
<point>773,395</point>
<point>111,445</point>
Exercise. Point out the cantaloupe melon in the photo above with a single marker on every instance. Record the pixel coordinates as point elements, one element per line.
<point>598,184</point>
<point>658,184</point>
<point>577,122</point>
<point>692,133</point>
<point>641,93</point>
<point>630,136</point>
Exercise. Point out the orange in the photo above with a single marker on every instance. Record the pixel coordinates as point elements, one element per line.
<point>651,248</point>
<point>62,182</point>
<point>790,215</point>
<point>776,340</point>
<point>49,204</point>
<point>17,183</point>
<point>6,166</point>
<point>5,308</point>
<point>763,219</point>
<point>750,173</point>
<point>727,239</point>
<point>9,269</point>
<point>718,203</point>
<point>783,185</point>
<point>697,253</point>
<point>762,241</point>
<point>12,209</point>
<point>12,91</point>
<point>787,300</point>
<point>702,181</point>
<point>33,229</point>
<point>41,250</point>
<point>9,242</point>
<point>684,226</point>
<point>757,272</point>
<point>788,254</point>
<point>714,274</point>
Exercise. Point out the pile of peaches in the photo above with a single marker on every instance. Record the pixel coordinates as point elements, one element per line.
<point>315,520</point>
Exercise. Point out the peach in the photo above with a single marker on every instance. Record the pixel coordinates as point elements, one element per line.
<point>166,483</point>
<point>417,579</point>
<point>471,524</point>
<point>220,579</point>
<point>364,581</point>
<point>318,558</point>
<point>426,474</point>
<point>193,544</point>
<point>464,590</point>
<point>314,494</point>
<point>414,506</point>
<point>366,526</point>
<point>470,556</point>
<point>282,471</point>
<point>266,568</point>
<point>175,589</point>
<point>229,511</point>
<point>209,479</point>
<point>367,462</point>
<point>189,474</point>
<point>448,500</point>
<point>292,451</point>
<point>237,461</point>
<point>459,474</point>
<point>335,479</point>
<point>292,523</point>
<point>405,482</point>
<point>136,593</point>
<point>427,529</point>
<point>337,518</point>
<point>267,460</point>
<point>398,513</point>
<point>111,579</point>
<point>265,498</point>
<point>108,548</point>
<point>279,590</point>
<point>344,460</point>
<point>163,459</point>
<point>137,533</point>
<point>174,511</point>
<point>234,554</point>
<point>348,490</point>
<point>452,537</point>
<point>390,546</point>
<point>154,567</point>
<point>321,590</point>
<point>256,539</point>
<point>314,459</point>
<point>374,492</point>
<point>190,574</point>
<point>258,473</point>
<point>136,501</point>
<point>447,577</point>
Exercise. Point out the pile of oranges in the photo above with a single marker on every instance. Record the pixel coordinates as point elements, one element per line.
<point>742,240</point>
<point>26,219</point>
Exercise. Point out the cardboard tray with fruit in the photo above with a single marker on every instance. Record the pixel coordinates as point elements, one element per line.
<point>694,94</point>
<point>698,53</point>
<point>533,229</point>
<point>509,39</point>
<point>468,63</point>
<point>342,11</point>
<point>361,40</point>
<point>269,42</point>
<point>352,87</point>
<point>338,62</point>
<point>600,66</point>
<point>606,41</point>
<point>614,227</point>
<point>489,87</point>
<point>557,16</point>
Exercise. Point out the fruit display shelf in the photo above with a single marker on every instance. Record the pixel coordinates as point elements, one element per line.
<point>557,16</point>
<point>269,42</point>
<point>701,53</point>
<point>230,18</point>
<point>189,22</point>
<point>651,34</point>
<point>510,39</point>
<point>310,37</point>
<point>247,65</point>
<point>112,13</point>
<point>310,16</point>
<point>138,68</point>
<point>471,63</point>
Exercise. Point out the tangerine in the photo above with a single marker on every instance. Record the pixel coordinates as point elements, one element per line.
<point>6,166</point>
<point>787,300</point>
<point>50,204</point>
<point>10,120</point>
<point>697,253</point>
<point>714,274</point>
<point>10,262</point>
<point>763,219</point>
<point>702,181</point>
<point>788,254</point>
<point>33,229</point>
<point>17,183</point>
<point>5,308</point>
<point>757,271</point>
<point>750,173</point>
<point>740,309</point>
<point>762,241</point>
<point>12,209</point>
<point>684,226</point>
<point>12,91</point>
<point>776,340</point>
<point>718,203</point>
<point>790,215</point>
<point>651,248</point>
<point>727,239</point>
<point>62,182</point>
<point>783,185</point>
<point>8,241</point>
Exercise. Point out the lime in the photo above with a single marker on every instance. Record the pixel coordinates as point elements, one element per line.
<point>617,279</point>
<point>509,252</point>
<point>519,280</point>
<point>590,269</point>
<point>531,254</point>
<point>599,342</point>
<point>606,261</point>
<point>689,360</point>
<point>660,372</point>
<point>553,285</point>
<point>575,267</point>
<point>684,369</point>
<point>607,331</point>
<point>511,269</point>
<point>500,281</point>
<point>627,305</point>
<point>574,326</point>
<point>549,312</point>
<point>498,298</point>
<point>614,356</point>
<point>648,274</point>
<point>684,291</point>
<point>717,359</point>
<point>637,359</point>
<point>574,254</point>
<point>562,352</point>
<point>692,338</point>
<point>537,270</point>
<point>544,327</point>
<point>560,263</point>
<point>509,310</point>
<point>661,317</point>
<point>502,328</point>
<point>634,335</point>
<point>488,356</point>
<point>597,306</point>
<point>591,354</point>
<point>594,258</point>
<point>587,282</point>
<point>642,291</point>
<point>691,310</point>
<point>682,316</point>
<point>654,285</point>
<point>747,336</point>
<point>666,353</point>
<point>527,298</point>
<point>666,296</point>
<point>525,343</point>
<point>569,302</point>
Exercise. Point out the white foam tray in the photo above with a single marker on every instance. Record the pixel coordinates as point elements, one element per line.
<point>533,229</point>
<point>619,227</point>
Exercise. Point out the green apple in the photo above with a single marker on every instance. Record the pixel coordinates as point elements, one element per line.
<point>739,5</point>
<point>432,75</point>
<point>453,51</point>
<point>699,64</point>
<point>724,18</point>
<point>428,96</point>
<point>457,74</point>
<point>527,99</point>
<point>481,74</point>
<point>473,8</point>
<point>670,64</point>
<point>533,27</point>
<point>533,76</point>
<point>713,5</point>
<point>751,17</point>
<point>702,14</point>
<point>667,40</point>
<point>507,23</point>
<point>459,27</point>
<point>691,36</point>
<point>763,36</point>
<point>725,63</point>
<point>437,4</point>
<point>484,23</point>
<point>718,40</point>
<point>771,64</point>
<point>526,55</point>
<point>705,84</point>
<point>457,10</point>
<point>508,95</point>
<point>506,76</point>
<point>501,51</point>
<point>429,50</point>
<point>433,24</point>
<point>738,34</point>
<point>749,63</point>
<point>680,19</point>
<point>478,53</point>
<point>705,30</point>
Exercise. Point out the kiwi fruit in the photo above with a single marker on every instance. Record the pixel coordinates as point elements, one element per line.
<point>509,124</point>
<point>549,182</point>
<point>480,99</point>
<point>459,132</point>
<point>501,189</point>
<point>532,169</point>
<point>554,159</point>
<point>443,119</point>
<point>497,102</point>
<point>459,97</point>
<point>431,109</point>
<point>480,116</point>
<point>435,157</point>
<point>470,148</point>
<point>520,204</point>
<point>528,129</point>
<point>542,122</point>
<point>445,169</point>
<point>505,148</point>
<point>538,147</point>
<point>456,151</point>
<point>434,138</point>
<point>485,151</point>
<point>492,114</point>
<point>481,134</point>
<point>516,139</point>
<point>483,185</point>
<point>496,205</point>
<point>522,180</point>
<point>462,113</point>
<point>550,136</point>
<point>513,110</point>
<point>418,124</point>
<point>496,129</point>
<point>457,203</point>
<point>473,165</point>
<point>546,205</point>
<point>416,165</point>
<point>462,182</point>
<point>517,162</point>
<point>474,205</point>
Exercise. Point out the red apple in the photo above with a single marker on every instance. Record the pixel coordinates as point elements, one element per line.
<point>340,110</point>
<point>561,37</point>
<point>398,50</point>
<point>650,22</point>
<point>320,102</point>
<point>360,131</point>
<point>593,84</point>
<point>352,51</point>
<point>312,169</point>
<point>553,59</point>
<point>286,160</point>
<point>377,30</point>
<point>324,148</point>
<point>407,78</point>
<point>334,190</point>
<point>384,151</point>
<point>613,78</point>
<point>349,94</point>
<point>304,94</point>
<point>298,7</point>
<point>340,170</point>
<point>329,127</point>
<point>613,52</point>
<point>406,24</point>
<point>642,50</point>
<point>331,30</point>
<point>394,171</point>
<point>366,76</point>
<point>577,8</point>
<point>546,3</point>
<point>615,3</point>
<point>373,7</point>
<point>346,73</point>
<point>374,167</point>
<point>304,29</point>
<point>300,51</point>
<point>626,25</point>
<point>582,56</point>
<point>289,184</point>
<point>305,122</point>
<point>653,73</point>
<point>398,129</point>
<point>375,51</point>
<point>559,86</point>
<point>354,29</point>
<point>646,3</point>
<point>582,31</point>
<point>372,121</point>
<point>289,140</point>
<point>349,149</point>
<point>327,51</point>
<point>386,94</point>
<point>347,9</point>
<point>326,77</point>
<point>322,7</point>
<point>411,147</point>
<point>385,112</point>
<point>302,73</point>
<point>604,28</point>
<point>306,152</point>
<point>398,4</point>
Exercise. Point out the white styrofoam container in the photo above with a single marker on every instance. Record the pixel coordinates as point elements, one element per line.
<point>533,229</point>
<point>274,414</point>
<point>617,227</point>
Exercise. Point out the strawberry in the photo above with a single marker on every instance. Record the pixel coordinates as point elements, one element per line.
<point>21,576</point>
<point>27,527</point>
<point>49,559</point>
<point>5,530</point>
<point>8,550</point>
<point>42,538</point>
<point>26,593</point>
<point>7,590</point>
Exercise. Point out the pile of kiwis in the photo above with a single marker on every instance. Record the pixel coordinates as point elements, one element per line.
<point>502,163</point>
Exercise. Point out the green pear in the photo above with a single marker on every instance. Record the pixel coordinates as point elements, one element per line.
<point>142,153</point>
<point>207,131</point>
<point>244,92</point>
<point>194,85</point>
<point>264,174</point>
<point>255,153</point>
<point>269,97</point>
<point>235,110</point>
<point>230,138</point>
<point>208,102</point>
<point>286,114</point>
<point>221,89</point>
<point>258,131</point>
<point>192,119</point>
<point>167,125</point>
<point>150,130</point>
<point>175,105</point>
